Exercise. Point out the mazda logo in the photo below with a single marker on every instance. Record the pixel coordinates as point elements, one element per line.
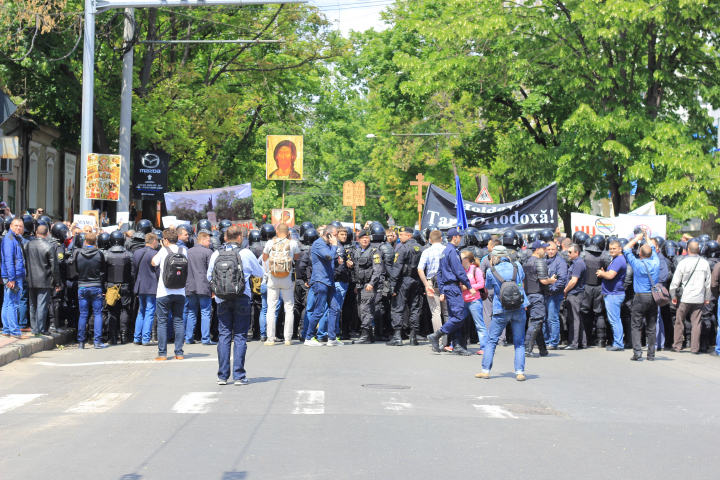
<point>150,160</point>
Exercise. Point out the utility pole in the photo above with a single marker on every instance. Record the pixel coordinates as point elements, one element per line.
<point>126,112</point>
<point>93,7</point>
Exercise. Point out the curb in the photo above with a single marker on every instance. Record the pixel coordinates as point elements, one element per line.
<point>25,348</point>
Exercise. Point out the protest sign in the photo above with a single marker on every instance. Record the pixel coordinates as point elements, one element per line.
<point>83,220</point>
<point>227,203</point>
<point>621,227</point>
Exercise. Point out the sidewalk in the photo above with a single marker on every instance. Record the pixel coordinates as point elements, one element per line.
<point>12,349</point>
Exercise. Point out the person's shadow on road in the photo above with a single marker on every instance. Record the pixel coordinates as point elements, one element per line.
<point>262,380</point>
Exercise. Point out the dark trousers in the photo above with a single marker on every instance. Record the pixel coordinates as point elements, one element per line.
<point>56,315</point>
<point>408,294</point>
<point>536,319</point>
<point>644,314</point>
<point>72,308</point>
<point>347,315</point>
<point>594,311</point>
<point>233,325</point>
<point>300,299</point>
<point>39,301</point>
<point>693,311</point>
<point>119,314</point>
<point>456,312</point>
<point>366,307</point>
<point>576,328</point>
<point>256,308</point>
<point>174,305</point>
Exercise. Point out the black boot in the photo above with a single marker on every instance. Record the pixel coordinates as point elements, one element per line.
<point>112,337</point>
<point>396,340</point>
<point>413,338</point>
<point>365,336</point>
<point>379,334</point>
<point>81,346</point>
<point>602,343</point>
<point>460,348</point>
<point>123,338</point>
<point>434,339</point>
<point>371,335</point>
<point>687,342</point>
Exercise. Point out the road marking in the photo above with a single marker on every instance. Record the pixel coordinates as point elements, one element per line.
<point>99,403</point>
<point>195,402</point>
<point>396,406</point>
<point>494,411</point>
<point>11,402</point>
<point>123,362</point>
<point>310,402</point>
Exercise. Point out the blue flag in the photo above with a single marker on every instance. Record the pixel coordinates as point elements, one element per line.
<point>460,206</point>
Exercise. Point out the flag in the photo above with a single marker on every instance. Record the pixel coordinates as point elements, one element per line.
<point>460,206</point>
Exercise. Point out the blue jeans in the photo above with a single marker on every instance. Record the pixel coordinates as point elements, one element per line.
<point>333,314</point>
<point>476,310</point>
<point>552,328</point>
<point>264,308</point>
<point>167,306</point>
<point>192,303</point>
<point>23,306</point>
<point>233,325</point>
<point>10,309</point>
<point>146,315</point>
<point>309,308</point>
<point>88,296</point>
<point>497,327</point>
<point>324,298</point>
<point>612,306</point>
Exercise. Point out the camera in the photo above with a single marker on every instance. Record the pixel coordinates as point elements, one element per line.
<point>638,230</point>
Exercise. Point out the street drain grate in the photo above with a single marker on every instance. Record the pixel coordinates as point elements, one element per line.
<point>386,387</point>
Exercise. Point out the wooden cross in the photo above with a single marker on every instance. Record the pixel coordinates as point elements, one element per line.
<point>419,197</point>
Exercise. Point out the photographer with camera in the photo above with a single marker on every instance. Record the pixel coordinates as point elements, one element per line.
<point>323,253</point>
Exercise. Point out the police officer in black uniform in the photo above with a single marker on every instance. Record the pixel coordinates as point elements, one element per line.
<point>137,241</point>
<point>119,273</point>
<point>483,240</point>
<point>368,272</point>
<point>103,243</point>
<point>596,258</point>
<point>58,234</point>
<point>205,226</point>
<point>301,282</point>
<point>72,307</point>
<point>536,277</point>
<point>378,239</point>
<point>514,242</point>
<point>349,306</point>
<point>472,242</point>
<point>405,286</point>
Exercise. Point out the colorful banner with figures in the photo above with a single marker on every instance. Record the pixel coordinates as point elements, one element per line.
<point>279,215</point>
<point>284,157</point>
<point>621,226</point>
<point>103,177</point>
<point>215,204</point>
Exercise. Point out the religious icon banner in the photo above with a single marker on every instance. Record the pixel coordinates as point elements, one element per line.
<point>279,215</point>
<point>284,157</point>
<point>103,177</point>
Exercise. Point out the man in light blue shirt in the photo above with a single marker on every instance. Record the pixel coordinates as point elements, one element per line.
<point>234,315</point>
<point>646,273</point>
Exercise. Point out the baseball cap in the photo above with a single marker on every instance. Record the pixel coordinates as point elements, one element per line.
<point>405,230</point>
<point>539,244</point>
<point>455,232</point>
<point>500,251</point>
<point>363,233</point>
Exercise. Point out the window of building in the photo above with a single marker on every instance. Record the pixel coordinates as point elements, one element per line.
<point>11,196</point>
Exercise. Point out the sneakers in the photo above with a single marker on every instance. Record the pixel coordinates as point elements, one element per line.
<point>313,342</point>
<point>484,375</point>
<point>209,342</point>
<point>179,357</point>
<point>448,349</point>
<point>270,342</point>
<point>160,359</point>
<point>520,377</point>
<point>335,343</point>
<point>100,345</point>
<point>241,382</point>
<point>288,342</point>
<point>222,381</point>
<point>480,352</point>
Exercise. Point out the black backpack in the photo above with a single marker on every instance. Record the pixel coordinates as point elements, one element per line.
<point>228,278</point>
<point>175,270</point>
<point>510,296</point>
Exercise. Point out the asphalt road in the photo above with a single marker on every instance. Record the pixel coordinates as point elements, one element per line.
<point>309,413</point>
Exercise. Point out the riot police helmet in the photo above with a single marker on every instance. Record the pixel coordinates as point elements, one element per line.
<point>103,241</point>
<point>293,234</point>
<point>596,243</point>
<point>377,233</point>
<point>60,232</point>
<point>669,249</point>
<point>144,226</point>
<point>712,249</point>
<point>579,238</point>
<point>546,235</point>
<point>29,223</point>
<point>204,224</point>
<point>267,231</point>
<point>224,225</point>
<point>418,237</point>
<point>310,236</point>
<point>254,237</point>
<point>531,237</point>
<point>6,222</point>
<point>484,238</point>
<point>511,239</point>
<point>660,240</point>
<point>117,239</point>
<point>704,238</point>
<point>472,239</point>
<point>304,226</point>
<point>79,240</point>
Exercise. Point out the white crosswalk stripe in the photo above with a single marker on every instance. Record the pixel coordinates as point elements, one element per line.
<point>99,403</point>
<point>310,402</point>
<point>195,402</point>
<point>11,402</point>
<point>494,411</point>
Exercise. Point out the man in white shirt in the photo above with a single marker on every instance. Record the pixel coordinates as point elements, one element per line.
<point>278,257</point>
<point>234,315</point>
<point>169,300</point>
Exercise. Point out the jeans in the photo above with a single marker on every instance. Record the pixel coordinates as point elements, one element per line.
<point>552,330</point>
<point>476,310</point>
<point>10,309</point>
<point>39,307</point>
<point>612,305</point>
<point>644,314</point>
<point>309,309</point>
<point>334,311</point>
<point>23,305</point>
<point>90,296</point>
<point>170,305</point>
<point>233,325</point>
<point>146,315</point>
<point>192,303</point>
<point>263,311</point>
<point>497,327</point>
<point>324,298</point>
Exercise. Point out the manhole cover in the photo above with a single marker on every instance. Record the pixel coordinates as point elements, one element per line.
<point>388,387</point>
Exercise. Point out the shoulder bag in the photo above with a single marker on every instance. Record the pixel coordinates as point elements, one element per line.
<point>658,290</point>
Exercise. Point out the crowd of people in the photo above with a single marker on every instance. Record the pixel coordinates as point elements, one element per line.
<point>223,285</point>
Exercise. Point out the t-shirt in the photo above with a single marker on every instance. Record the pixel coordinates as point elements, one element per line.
<point>578,269</point>
<point>294,250</point>
<point>159,261</point>
<point>615,286</point>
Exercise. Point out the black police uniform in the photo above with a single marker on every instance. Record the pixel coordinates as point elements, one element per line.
<point>535,270</point>
<point>368,270</point>
<point>384,323</point>
<point>627,306</point>
<point>56,313</point>
<point>72,307</point>
<point>120,272</point>
<point>405,284</point>
<point>594,304</point>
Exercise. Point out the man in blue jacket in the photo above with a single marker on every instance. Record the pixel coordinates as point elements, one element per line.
<point>501,317</point>
<point>554,295</point>
<point>323,254</point>
<point>13,275</point>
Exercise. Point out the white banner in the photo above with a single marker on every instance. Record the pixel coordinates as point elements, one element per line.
<point>110,229</point>
<point>647,209</point>
<point>82,220</point>
<point>621,227</point>
<point>167,221</point>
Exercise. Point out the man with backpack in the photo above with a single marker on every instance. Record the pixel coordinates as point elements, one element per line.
<point>506,278</point>
<point>170,297</point>
<point>229,273</point>
<point>450,276</point>
<point>278,256</point>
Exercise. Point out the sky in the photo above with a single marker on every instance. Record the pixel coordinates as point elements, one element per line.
<point>357,15</point>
